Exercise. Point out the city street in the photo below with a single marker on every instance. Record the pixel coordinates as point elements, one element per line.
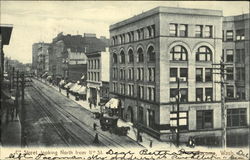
<point>51,119</point>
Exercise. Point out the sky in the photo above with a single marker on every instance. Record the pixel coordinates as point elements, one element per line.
<point>41,21</point>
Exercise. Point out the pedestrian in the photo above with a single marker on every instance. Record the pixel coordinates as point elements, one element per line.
<point>67,92</point>
<point>94,126</point>
<point>151,144</point>
<point>96,140</point>
<point>59,88</point>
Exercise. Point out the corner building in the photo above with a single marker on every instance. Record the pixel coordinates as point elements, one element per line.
<point>149,52</point>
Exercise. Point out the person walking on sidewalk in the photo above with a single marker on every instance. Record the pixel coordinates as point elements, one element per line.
<point>94,126</point>
<point>96,140</point>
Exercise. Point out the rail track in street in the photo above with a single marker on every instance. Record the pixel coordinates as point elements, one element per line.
<point>73,131</point>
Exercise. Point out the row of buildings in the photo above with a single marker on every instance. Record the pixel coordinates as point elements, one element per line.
<point>147,55</point>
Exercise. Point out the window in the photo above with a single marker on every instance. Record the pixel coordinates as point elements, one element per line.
<point>229,35</point>
<point>183,74</point>
<point>122,88</point>
<point>240,34</point>
<point>151,93</point>
<point>230,55</point>
<point>240,56</point>
<point>173,30</point>
<point>173,74</point>
<point>130,56</point>
<point>131,90</point>
<point>131,73</point>
<point>140,55</point>
<point>199,94</point>
<point>178,53</point>
<point>114,58</point>
<point>208,94</point>
<point>141,33</point>
<point>203,54</point>
<point>198,30</point>
<point>153,30</point>
<point>236,117</point>
<point>122,54</point>
<point>140,114</point>
<point>114,87</point>
<point>183,30</point>
<point>240,73</point>
<point>199,75</point>
<point>230,73</point>
<point>140,74</point>
<point>208,31</point>
<point>151,54</point>
<point>208,75</point>
<point>149,31</point>
<point>183,120</point>
<point>240,94</point>
<point>204,119</point>
<point>183,95</point>
<point>141,92</point>
<point>230,91</point>
<point>151,74</point>
<point>151,118</point>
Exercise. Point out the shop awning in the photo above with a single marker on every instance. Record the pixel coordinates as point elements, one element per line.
<point>45,74</point>
<point>82,90</point>
<point>112,103</point>
<point>49,77</point>
<point>76,88</point>
<point>68,84</point>
<point>73,87</point>
<point>62,82</point>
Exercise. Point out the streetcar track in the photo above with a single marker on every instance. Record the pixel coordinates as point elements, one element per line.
<point>63,111</point>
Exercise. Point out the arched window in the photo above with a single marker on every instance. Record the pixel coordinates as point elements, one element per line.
<point>203,54</point>
<point>178,53</point>
<point>122,54</point>
<point>151,54</point>
<point>114,58</point>
<point>140,55</point>
<point>130,56</point>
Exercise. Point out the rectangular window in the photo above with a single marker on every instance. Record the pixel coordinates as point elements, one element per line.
<point>198,31</point>
<point>199,75</point>
<point>230,55</point>
<point>240,35</point>
<point>183,95</point>
<point>173,93</point>
<point>149,93</point>
<point>208,31</point>
<point>209,94</point>
<point>151,118</point>
<point>240,94</point>
<point>230,73</point>
<point>183,74</point>
<point>183,30</point>
<point>230,91</point>
<point>173,30</point>
<point>140,114</point>
<point>204,119</point>
<point>208,74</point>
<point>229,35</point>
<point>183,120</point>
<point>236,117</point>
<point>141,92</point>
<point>199,94</point>
<point>173,74</point>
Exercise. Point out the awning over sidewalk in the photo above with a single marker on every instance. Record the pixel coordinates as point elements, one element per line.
<point>62,82</point>
<point>45,74</point>
<point>76,88</point>
<point>112,103</point>
<point>68,85</point>
<point>82,90</point>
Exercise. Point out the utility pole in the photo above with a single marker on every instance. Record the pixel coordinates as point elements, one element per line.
<point>23,83</point>
<point>178,110</point>
<point>223,105</point>
<point>17,91</point>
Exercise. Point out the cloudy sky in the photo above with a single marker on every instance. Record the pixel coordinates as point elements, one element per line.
<point>42,20</point>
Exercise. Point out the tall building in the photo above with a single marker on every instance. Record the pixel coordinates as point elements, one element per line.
<point>67,54</point>
<point>98,75</point>
<point>236,52</point>
<point>42,58</point>
<point>150,52</point>
<point>35,47</point>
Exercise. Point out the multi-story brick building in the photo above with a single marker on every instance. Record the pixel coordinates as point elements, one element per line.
<point>149,52</point>
<point>67,54</point>
<point>42,58</point>
<point>98,75</point>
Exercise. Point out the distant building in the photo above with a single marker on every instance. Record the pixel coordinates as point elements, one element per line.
<point>42,58</point>
<point>67,55</point>
<point>35,47</point>
<point>98,75</point>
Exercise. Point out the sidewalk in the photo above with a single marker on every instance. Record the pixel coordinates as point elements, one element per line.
<point>132,133</point>
<point>10,129</point>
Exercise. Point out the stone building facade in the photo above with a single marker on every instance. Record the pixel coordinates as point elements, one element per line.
<point>149,52</point>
